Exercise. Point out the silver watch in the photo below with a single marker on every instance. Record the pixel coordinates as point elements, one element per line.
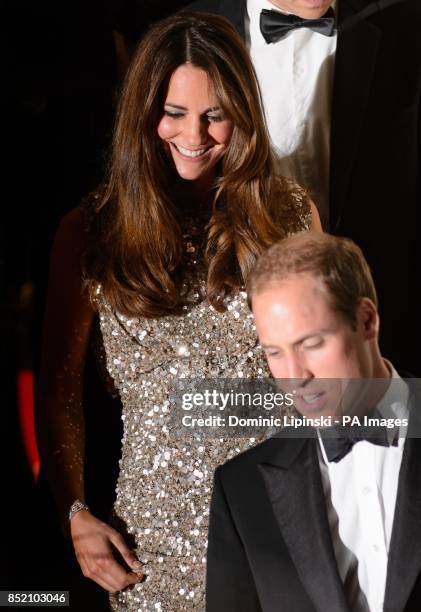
<point>76,507</point>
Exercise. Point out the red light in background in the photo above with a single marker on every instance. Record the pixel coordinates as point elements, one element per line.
<point>25,393</point>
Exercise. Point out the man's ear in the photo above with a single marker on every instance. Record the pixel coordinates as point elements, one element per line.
<point>368,318</point>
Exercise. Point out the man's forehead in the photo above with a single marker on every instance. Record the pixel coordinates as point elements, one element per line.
<point>290,312</point>
<point>281,289</point>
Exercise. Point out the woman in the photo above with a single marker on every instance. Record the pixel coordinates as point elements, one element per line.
<point>162,257</point>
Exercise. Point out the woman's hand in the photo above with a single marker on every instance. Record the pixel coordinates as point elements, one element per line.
<point>95,543</point>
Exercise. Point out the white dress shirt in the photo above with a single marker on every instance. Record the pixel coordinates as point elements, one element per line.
<point>360,492</point>
<point>295,76</point>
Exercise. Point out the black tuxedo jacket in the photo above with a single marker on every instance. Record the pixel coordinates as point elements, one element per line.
<point>375,173</point>
<point>270,548</point>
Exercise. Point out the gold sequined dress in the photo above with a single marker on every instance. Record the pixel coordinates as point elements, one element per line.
<point>164,484</point>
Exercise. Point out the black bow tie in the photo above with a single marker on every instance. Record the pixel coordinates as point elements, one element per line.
<point>344,439</point>
<point>274,25</point>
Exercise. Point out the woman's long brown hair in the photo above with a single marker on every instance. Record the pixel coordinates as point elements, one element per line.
<point>135,246</point>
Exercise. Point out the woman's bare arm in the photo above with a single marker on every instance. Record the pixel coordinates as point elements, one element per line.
<point>60,424</point>
<point>67,324</point>
<point>316,225</point>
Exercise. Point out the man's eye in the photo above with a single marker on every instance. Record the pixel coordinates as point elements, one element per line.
<point>273,354</point>
<point>313,345</point>
<point>173,114</point>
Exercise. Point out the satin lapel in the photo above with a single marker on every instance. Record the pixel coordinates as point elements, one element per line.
<point>358,42</point>
<point>234,10</point>
<point>404,563</point>
<point>296,495</point>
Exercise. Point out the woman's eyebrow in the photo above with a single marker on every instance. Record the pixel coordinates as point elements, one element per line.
<point>208,110</point>
<point>175,106</point>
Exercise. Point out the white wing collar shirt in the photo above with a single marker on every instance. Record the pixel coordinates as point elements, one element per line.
<point>295,76</point>
<point>360,493</point>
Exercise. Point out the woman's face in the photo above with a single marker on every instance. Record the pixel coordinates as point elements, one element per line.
<point>193,127</point>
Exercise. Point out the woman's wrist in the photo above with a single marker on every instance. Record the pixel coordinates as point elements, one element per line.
<point>76,507</point>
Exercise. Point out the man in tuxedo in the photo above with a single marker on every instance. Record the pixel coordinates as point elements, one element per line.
<point>341,92</point>
<point>317,523</point>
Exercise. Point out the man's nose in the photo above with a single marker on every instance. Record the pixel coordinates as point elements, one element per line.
<point>296,367</point>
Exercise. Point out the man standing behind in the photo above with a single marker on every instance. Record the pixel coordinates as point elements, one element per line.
<point>314,523</point>
<point>341,86</point>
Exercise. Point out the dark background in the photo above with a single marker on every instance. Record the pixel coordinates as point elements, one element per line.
<point>62,69</point>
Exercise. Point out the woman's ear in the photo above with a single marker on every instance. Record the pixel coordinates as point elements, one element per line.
<point>368,318</point>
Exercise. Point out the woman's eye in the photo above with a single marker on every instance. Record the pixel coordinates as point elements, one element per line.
<point>215,118</point>
<point>173,114</point>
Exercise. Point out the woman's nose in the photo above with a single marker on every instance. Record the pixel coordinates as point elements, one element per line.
<point>195,131</point>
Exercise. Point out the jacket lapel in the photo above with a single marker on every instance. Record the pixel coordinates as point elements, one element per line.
<point>293,483</point>
<point>235,11</point>
<point>404,563</point>
<point>358,42</point>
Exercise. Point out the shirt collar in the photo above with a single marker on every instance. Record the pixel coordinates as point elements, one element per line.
<point>255,7</point>
<point>394,404</point>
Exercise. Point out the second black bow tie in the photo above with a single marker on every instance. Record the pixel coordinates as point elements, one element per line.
<point>274,25</point>
<point>343,440</point>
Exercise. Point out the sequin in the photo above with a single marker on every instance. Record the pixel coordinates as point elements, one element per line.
<point>164,485</point>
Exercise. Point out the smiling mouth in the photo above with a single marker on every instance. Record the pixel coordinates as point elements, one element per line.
<point>191,153</point>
